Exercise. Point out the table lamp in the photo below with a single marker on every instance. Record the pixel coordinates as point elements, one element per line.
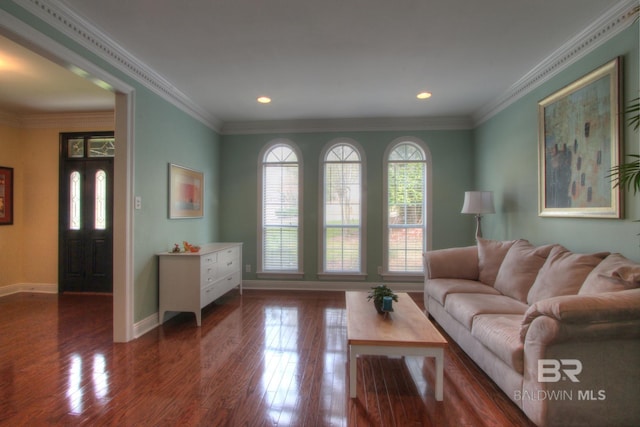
<point>478,203</point>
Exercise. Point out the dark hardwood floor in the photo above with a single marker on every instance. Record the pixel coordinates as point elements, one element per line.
<point>265,358</point>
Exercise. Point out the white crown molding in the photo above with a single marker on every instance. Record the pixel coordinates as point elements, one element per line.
<point>65,20</point>
<point>347,125</point>
<point>603,29</point>
<point>10,119</point>
<point>69,23</point>
<point>101,120</point>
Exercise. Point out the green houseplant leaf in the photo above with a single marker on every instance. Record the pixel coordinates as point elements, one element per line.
<point>627,175</point>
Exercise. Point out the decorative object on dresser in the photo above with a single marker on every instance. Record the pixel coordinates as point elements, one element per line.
<point>478,203</point>
<point>191,280</point>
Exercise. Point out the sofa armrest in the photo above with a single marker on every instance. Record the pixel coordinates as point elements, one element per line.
<point>452,263</point>
<point>607,311</point>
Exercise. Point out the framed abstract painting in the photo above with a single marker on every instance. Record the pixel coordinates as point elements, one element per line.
<point>186,192</point>
<point>579,144</point>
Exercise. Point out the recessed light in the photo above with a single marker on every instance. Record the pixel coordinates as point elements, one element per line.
<point>424,95</point>
<point>264,99</point>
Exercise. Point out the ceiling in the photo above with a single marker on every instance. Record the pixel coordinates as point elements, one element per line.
<point>323,59</point>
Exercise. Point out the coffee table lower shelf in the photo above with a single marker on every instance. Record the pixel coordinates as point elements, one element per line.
<point>437,353</point>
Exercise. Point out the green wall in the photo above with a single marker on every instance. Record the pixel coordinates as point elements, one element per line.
<point>164,135</point>
<point>452,174</point>
<point>507,163</point>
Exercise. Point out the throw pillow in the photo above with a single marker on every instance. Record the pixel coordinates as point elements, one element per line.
<point>520,269</point>
<point>491,253</point>
<point>614,273</point>
<point>563,273</point>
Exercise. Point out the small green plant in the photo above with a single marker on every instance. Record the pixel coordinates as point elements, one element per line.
<point>627,175</point>
<point>377,293</point>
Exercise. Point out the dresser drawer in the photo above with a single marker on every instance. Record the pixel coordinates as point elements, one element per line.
<point>209,294</point>
<point>208,274</point>
<point>228,261</point>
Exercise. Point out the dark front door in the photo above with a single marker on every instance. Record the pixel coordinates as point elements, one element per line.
<point>86,211</point>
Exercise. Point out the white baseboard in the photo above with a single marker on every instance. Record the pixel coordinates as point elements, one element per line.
<point>43,288</point>
<point>145,325</point>
<point>327,286</point>
<point>151,322</point>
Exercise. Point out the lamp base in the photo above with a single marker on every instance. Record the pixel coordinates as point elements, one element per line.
<point>478,227</point>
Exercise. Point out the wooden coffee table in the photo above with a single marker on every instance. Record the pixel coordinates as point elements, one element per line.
<point>404,332</point>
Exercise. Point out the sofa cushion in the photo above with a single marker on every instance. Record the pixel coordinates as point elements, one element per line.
<point>500,333</point>
<point>614,273</point>
<point>520,269</point>
<point>463,307</point>
<point>459,263</point>
<point>438,289</point>
<point>491,253</point>
<point>563,273</point>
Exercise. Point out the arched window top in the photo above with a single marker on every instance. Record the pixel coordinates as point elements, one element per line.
<point>406,151</point>
<point>281,151</point>
<point>342,152</point>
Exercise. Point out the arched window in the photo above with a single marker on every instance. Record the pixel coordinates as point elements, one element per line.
<point>280,237</point>
<point>406,172</point>
<point>342,211</point>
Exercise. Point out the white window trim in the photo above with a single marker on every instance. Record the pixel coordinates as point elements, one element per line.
<point>299,273</point>
<point>343,275</point>
<point>394,275</point>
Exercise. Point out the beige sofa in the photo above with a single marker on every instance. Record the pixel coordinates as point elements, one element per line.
<point>558,332</point>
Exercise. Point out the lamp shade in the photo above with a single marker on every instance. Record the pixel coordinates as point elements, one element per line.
<point>478,202</point>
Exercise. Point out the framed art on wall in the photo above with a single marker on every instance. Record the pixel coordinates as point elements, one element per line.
<point>186,192</point>
<point>579,144</point>
<point>6,195</point>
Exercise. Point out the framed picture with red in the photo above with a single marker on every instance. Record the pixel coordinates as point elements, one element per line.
<point>6,195</point>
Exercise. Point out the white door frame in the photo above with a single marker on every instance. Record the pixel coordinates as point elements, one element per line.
<point>123,247</point>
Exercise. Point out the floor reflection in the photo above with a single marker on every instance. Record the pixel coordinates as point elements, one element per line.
<point>76,390</point>
<point>333,386</point>
<point>279,379</point>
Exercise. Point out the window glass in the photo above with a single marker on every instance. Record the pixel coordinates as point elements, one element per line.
<point>75,197</point>
<point>406,227</point>
<point>100,215</point>
<point>101,146</point>
<point>280,210</point>
<point>342,209</point>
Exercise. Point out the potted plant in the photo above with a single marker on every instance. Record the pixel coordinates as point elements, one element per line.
<point>627,175</point>
<point>377,293</point>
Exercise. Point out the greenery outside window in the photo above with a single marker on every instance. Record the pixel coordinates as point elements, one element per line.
<point>342,211</point>
<point>280,236</point>
<point>406,169</point>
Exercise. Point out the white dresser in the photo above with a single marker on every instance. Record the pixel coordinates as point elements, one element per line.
<point>190,281</point>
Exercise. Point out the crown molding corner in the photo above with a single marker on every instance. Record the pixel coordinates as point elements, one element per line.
<point>65,20</point>
<point>616,20</point>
